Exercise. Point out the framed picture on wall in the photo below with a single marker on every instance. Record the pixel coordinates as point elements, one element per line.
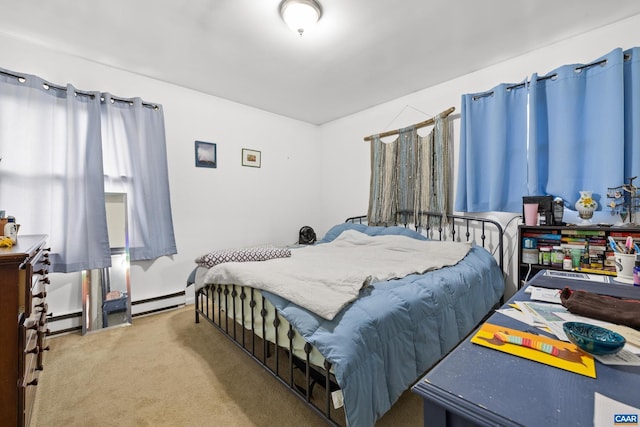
<point>250,158</point>
<point>206,156</point>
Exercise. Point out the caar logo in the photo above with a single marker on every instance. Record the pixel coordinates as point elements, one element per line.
<point>625,419</point>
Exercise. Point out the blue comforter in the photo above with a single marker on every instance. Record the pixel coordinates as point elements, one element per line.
<point>382,342</point>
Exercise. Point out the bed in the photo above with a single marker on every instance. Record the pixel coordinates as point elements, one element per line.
<point>352,361</point>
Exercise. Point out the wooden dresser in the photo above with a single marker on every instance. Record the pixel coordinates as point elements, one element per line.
<point>23,325</point>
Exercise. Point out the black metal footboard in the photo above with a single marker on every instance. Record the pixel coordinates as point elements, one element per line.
<point>245,317</point>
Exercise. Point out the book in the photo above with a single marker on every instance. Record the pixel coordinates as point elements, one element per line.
<point>573,239</point>
<point>539,348</point>
<point>592,248</point>
<point>547,236</point>
<point>579,232</point>
<point>596,240</point>
<point>623,234</point>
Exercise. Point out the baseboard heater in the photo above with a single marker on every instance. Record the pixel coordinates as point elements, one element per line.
<point>65,323</point>
<point>72,322</point>
<point>156,302</point>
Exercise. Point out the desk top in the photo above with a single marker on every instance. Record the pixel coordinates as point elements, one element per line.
<point>496,388</point>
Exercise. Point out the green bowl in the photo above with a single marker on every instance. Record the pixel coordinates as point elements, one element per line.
<point>594,339</point>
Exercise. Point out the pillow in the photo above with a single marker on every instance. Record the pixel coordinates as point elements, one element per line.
<point>336,230</point>
<point>261,253</point>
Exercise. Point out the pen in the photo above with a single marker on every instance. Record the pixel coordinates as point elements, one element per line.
<point>629,245</point>
<point>614,245</point>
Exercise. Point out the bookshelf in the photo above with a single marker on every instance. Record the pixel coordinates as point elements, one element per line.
<point>536,248</point>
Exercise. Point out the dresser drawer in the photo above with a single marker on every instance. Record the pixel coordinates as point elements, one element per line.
<point>29,380</point>
<point>30,349</point>
<point>38,270</point>
<point>42,334</point>
<point>23,326</point>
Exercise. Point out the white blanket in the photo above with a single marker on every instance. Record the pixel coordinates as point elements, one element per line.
<point>324,278</point>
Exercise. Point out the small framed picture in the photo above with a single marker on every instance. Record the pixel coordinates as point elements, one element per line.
<point>206,156</point>
<point>250,158</point>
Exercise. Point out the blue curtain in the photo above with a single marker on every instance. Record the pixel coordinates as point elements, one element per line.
<point>632,114</point>
<point>576,139</point>
<point>583,133</point>
<point>493,150</point>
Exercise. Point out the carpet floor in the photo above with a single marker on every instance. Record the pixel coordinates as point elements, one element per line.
<point>166,370</point>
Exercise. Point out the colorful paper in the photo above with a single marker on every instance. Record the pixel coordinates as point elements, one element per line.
<point>545,350</point>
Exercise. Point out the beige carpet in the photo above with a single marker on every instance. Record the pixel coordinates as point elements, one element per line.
<point>166,370</point>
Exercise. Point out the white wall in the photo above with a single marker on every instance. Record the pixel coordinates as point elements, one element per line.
<point>345,166</point>
<point>212,208</point>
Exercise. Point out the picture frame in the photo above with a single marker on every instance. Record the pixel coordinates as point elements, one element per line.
<point>251,158</point>
<point>206,154</point>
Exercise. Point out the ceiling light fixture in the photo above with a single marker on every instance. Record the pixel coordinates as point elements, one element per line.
<point>300,15</point>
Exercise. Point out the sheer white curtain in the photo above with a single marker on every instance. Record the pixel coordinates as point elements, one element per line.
<point>136,163</point>
<point>51,175</point>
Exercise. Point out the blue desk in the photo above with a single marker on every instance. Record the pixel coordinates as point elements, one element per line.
<point>479,386</point>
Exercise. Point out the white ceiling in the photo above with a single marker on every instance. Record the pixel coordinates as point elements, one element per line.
<point>361,53</point>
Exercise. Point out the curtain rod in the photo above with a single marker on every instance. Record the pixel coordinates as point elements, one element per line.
<point>48,85</point>
<point>625,57</point>
<point>428,122</point>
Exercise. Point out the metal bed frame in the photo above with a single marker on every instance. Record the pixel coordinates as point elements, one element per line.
<point>218,305</point>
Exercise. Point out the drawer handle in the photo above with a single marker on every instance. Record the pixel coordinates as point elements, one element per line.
<point>45,280</point>
<point>42,272</point>
<point>33,382</point>
<point>40,295</point>
<point>34,350</point>
<point>46,261</point>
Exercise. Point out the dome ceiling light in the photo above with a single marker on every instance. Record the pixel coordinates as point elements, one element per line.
<point>300,15</point>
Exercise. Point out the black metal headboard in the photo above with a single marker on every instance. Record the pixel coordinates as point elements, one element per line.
<point>453,229</point>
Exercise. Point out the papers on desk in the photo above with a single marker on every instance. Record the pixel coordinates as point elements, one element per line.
<point>549,317</point>
<point>576,275</point>
<point>544,294</point>
<point>605,409</point>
